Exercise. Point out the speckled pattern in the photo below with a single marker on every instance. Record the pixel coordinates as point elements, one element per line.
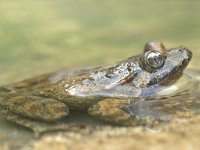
<point>104,93</point>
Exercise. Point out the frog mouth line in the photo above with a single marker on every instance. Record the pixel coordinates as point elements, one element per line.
<point>177,71</point>
<point>174,75</point>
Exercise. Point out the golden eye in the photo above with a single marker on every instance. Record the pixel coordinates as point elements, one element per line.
<point>154,59</point>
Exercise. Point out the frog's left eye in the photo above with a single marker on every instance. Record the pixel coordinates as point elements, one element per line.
<point>154,59</point>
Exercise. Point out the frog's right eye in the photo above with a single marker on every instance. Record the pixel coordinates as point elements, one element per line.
<point>154,59</point>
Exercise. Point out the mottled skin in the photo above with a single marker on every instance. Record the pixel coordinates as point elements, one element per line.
<point>103,92</point>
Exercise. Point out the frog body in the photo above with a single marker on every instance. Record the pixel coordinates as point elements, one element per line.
<point>103,92</point>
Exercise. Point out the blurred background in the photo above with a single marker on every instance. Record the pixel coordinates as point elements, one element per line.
<point>45,35</point>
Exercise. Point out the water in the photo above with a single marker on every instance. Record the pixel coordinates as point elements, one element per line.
<point>44,36</point>
<point>90,33</point>
<point>179,103</point>
<point>172,103</point>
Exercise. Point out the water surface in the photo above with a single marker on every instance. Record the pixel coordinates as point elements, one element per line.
<point>43,36</point>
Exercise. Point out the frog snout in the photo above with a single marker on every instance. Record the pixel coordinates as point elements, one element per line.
<point>187,57</point>
<point>189,53</point>
<point>186,54</point>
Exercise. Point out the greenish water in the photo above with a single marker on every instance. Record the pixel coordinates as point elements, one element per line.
<point>43,36</point>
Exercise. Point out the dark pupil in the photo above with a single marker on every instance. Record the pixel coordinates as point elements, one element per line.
<point>155,60</point>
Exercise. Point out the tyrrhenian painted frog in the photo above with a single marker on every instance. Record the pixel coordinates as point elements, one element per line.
<point>103,92</point>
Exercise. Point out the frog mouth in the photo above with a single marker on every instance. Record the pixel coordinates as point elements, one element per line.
<point>177,71</point>
<point>189,56</point>
<point>173,76</point>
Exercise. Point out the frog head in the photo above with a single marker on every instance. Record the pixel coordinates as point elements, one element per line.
<point>164,66</point>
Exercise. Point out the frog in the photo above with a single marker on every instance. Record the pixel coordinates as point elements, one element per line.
<point>41,102</point>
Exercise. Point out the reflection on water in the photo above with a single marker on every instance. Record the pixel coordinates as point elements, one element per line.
<point>13,136</point>
<point>43,36</point>
<point>172,103</point>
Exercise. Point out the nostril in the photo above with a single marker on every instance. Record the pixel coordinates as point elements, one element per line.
<point>189,53</point>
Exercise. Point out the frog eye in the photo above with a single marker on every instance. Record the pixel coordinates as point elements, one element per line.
<point>154,59</point>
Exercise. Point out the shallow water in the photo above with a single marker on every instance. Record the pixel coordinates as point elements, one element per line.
<point>177,103</point>
<point>171,103</point>
<point>44,36</point>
